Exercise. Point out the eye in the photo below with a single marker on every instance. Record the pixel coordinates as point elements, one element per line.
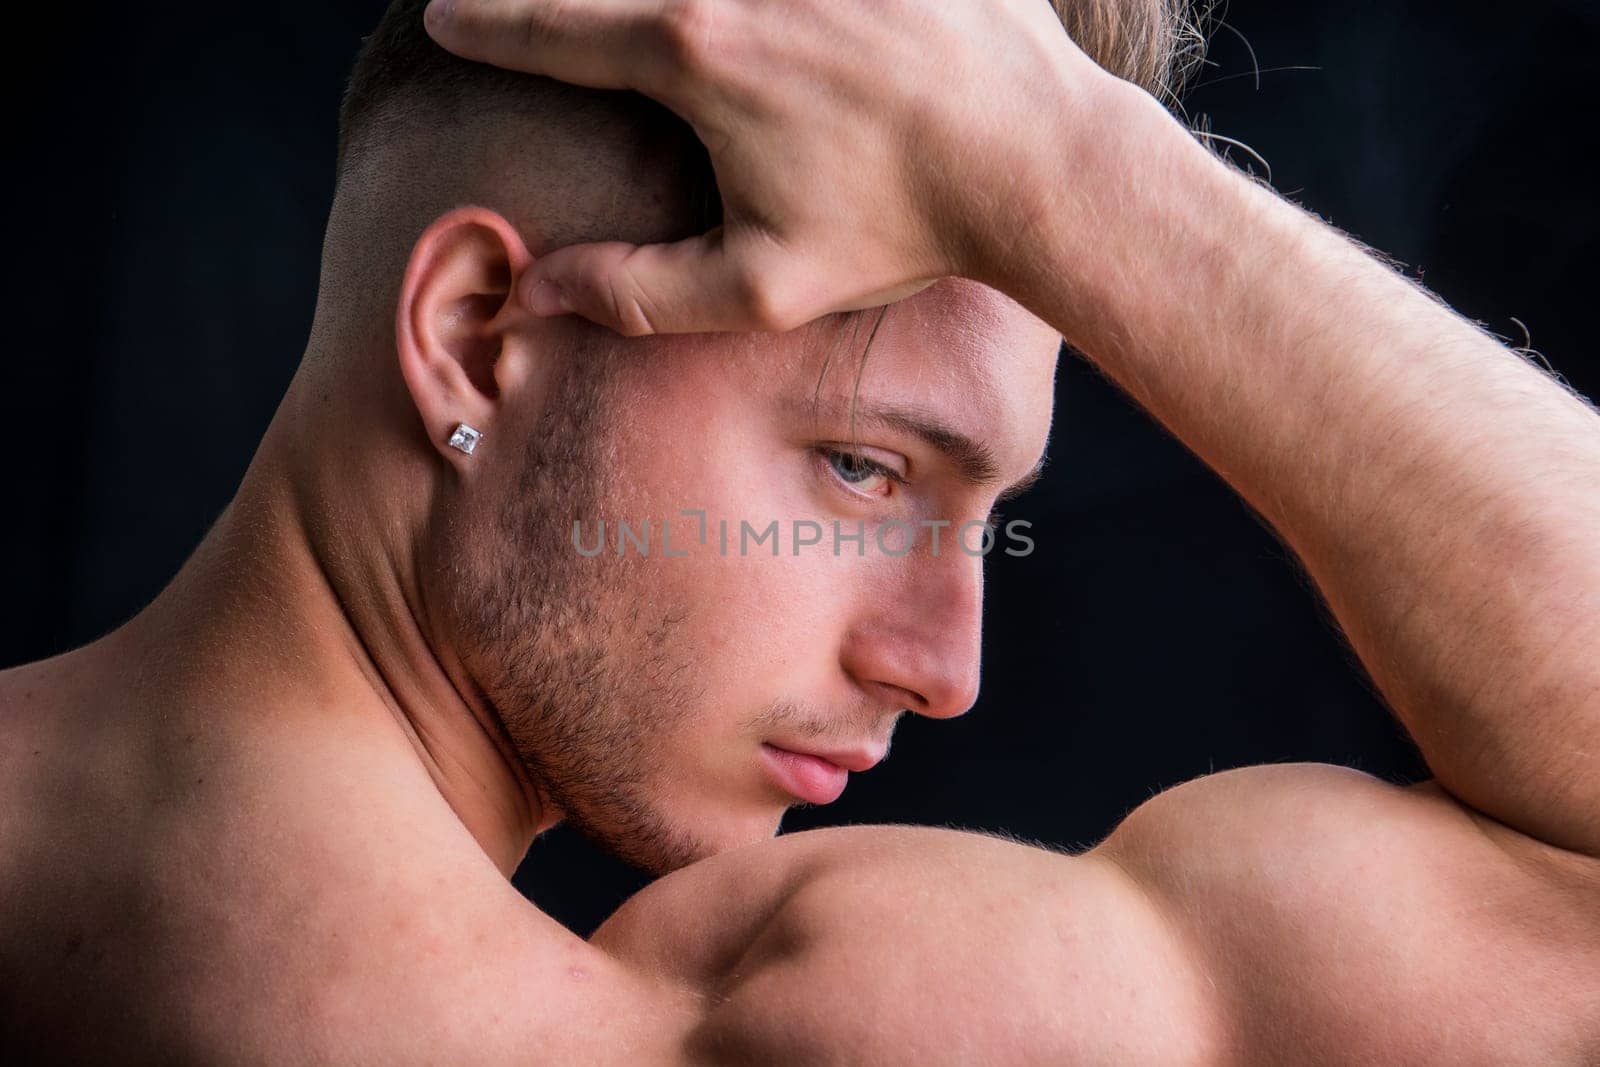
<point>861,474</point>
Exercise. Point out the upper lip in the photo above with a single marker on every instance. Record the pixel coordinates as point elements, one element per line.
<point>862,758</point>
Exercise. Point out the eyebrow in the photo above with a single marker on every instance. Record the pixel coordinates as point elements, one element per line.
<point>973,460</point>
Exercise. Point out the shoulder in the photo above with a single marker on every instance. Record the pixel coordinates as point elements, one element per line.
<point>914,944</point>
<point>426,967</point>
<point>1290,912</point>
<point>1339,909</point>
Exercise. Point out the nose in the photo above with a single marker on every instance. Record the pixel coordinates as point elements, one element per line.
<point>918,641</point>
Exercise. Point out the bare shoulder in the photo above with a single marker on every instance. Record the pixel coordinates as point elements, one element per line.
<point>1340,913</point>
<point>288,918</point>
<point>472,977</point>
<point>347,962</point>
<point>1291,912</point>
<point>914,944</point>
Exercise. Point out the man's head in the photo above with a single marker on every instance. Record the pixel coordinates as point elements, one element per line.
<point>656,693</point>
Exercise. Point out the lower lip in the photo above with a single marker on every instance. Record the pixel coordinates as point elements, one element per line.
<point>810,778</point>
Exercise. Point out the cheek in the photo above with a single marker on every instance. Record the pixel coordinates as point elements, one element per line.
<point>753,627</point>
<point>760,629</point>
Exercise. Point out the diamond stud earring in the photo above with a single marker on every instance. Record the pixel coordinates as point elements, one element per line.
<point>464,438</point>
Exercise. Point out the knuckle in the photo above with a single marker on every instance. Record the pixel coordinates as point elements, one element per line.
<point>627,305</point>
<point>768,303</point>
<point>539,31</point>
<point>604,289</point>
<point>687,30</point>
<point>547,27</point>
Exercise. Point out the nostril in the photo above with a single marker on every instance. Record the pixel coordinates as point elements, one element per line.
<point>911,699</point>
<point>898,696</point>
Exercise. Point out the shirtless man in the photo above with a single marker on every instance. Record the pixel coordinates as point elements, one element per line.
<point>272,817</point>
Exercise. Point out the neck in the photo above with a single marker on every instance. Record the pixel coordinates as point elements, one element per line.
<point>295,600</point>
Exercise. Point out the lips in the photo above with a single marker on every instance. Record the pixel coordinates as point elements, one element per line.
<point>815,777</point>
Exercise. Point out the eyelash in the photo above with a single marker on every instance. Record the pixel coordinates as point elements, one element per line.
<point>860,463</point>
<point>828,455</point>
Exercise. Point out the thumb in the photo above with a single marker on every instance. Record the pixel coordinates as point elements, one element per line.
<point>696,285</point>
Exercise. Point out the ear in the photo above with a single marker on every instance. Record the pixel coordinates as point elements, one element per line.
<point>451,327</point>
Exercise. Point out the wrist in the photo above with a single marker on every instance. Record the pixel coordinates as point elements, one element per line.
<point>1005,191</point>
<point>1123,202</point>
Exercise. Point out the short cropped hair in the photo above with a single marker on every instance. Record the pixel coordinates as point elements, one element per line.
<point>1151,43</point>
<point>422,131</point>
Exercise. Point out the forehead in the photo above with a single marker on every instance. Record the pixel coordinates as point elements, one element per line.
<point>965,354</point>
<point>958,350</point>
<point>963,344</point>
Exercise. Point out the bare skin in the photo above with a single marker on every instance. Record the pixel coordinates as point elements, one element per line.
<point>301,830</point>
<point>300,827</point>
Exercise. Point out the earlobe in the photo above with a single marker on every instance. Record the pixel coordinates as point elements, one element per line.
<point>456,305</point>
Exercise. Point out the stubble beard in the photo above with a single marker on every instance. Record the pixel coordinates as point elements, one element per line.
<point>585,688</point>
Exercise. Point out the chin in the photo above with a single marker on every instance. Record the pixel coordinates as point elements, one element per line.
<point>719,833</point>
<point>671,837</point>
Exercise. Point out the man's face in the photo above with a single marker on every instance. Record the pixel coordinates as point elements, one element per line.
<point>673,700</point>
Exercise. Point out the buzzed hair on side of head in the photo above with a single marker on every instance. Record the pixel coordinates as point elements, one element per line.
<point>422,131</point>
<point>400,72</point>
<point>403,85</point>
<point>1148,42</point>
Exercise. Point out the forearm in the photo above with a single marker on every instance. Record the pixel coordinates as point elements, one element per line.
<point>1443,493</point>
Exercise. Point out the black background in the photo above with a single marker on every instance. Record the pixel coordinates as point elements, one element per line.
<point>173,168</point>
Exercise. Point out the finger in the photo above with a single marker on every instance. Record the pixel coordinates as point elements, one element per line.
<point>603,44</point>
<point>701,284</point>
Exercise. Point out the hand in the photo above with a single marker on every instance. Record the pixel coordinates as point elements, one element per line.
<point>862,151</point>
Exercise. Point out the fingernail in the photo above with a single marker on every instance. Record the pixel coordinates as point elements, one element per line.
<point>435,14</point>
<point>548,298</point>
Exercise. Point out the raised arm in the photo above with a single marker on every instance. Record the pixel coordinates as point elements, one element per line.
<point>1443,493</point>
